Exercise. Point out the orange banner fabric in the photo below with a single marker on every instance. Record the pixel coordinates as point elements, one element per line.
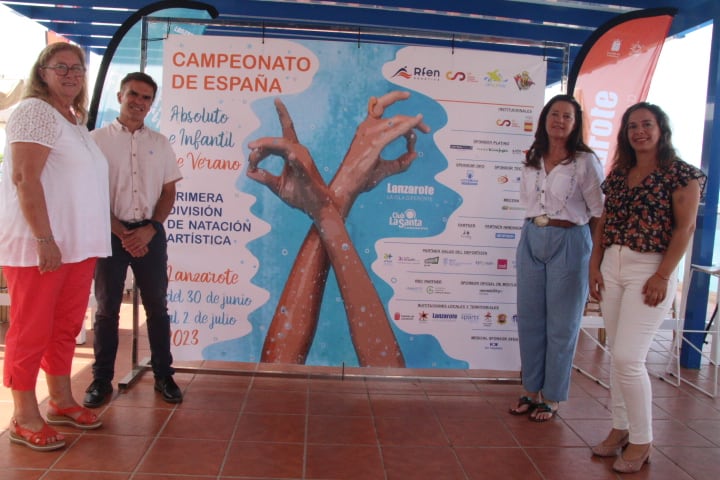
<point>613,71</point>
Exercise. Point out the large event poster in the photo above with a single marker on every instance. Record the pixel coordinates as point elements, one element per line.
<point>431,244</point>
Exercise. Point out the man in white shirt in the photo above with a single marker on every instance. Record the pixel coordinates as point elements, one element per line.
<point>143,173</point>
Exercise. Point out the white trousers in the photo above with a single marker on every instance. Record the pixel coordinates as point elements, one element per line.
<point>631,326</point>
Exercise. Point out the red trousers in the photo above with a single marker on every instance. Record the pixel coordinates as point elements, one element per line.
<point>46,314</point>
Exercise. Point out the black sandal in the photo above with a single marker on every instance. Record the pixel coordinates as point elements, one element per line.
<point>543,408</point>
<point>522,401</point>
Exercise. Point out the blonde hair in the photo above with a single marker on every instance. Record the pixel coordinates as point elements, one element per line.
<point>37,88</point>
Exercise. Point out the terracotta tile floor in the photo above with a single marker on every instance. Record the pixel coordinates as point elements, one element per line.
<point>313,424</point>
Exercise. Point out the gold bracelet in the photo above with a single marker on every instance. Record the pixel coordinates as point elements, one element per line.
<point>664,278</point>
<point>47,239</point>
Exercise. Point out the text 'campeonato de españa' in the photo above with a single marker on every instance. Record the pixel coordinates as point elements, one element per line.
<point>257,71</point>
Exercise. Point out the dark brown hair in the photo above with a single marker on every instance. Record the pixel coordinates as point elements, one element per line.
<point>625,157</point>
<point>541,144</point>
<point>139,77</point>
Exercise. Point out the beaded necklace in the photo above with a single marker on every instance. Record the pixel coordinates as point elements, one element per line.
<point>540,192</point>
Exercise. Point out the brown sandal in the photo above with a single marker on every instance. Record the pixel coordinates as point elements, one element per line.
<point>522,402</point>
<point>542,408</point>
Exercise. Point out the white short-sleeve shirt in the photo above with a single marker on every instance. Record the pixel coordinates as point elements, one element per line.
<point>75,184</point>
<point>140,162</point>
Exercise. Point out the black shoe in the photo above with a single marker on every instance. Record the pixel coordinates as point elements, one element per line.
<point>97,393</point>
<point>171,393</point>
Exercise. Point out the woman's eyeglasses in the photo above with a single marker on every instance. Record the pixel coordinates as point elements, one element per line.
<point>62,70</point>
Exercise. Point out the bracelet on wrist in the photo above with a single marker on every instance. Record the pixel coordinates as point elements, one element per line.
<point>47,239</point>
<point>662,276</point>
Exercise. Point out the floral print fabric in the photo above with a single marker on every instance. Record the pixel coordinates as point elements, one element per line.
<point>641,217</point>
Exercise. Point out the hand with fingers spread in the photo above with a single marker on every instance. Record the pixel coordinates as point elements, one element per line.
<point>361,170</point>
<point>363,167</point>
<point>300,185</point>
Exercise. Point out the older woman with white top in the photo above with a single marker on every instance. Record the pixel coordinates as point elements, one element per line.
<point>55,223</point>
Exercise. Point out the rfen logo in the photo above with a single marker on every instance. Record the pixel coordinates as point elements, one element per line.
<point>403,72</point>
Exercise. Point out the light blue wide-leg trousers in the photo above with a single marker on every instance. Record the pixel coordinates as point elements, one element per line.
<point>552,289</point>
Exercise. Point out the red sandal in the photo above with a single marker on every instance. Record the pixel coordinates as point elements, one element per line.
<point>37,441</point>
<point>66,416</point>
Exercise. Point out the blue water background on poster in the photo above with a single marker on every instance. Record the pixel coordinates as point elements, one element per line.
<point>326,117</point>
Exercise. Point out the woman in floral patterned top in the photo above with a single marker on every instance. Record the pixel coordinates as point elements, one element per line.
<point>651,202</point>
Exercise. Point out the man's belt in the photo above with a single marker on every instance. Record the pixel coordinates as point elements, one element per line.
<point>545,221</point>
<point>134,225</point>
